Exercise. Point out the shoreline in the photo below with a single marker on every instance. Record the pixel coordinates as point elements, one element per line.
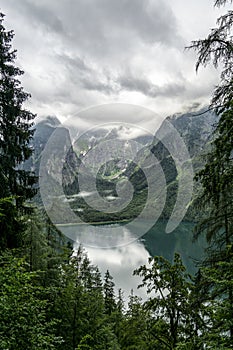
<point>95,223</point>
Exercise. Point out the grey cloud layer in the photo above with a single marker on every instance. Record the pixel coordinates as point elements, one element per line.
<point>87,52</point>
<point>97,80</point>
<point>38,14</point>
<point>149,89</point>
<point>107,21</point>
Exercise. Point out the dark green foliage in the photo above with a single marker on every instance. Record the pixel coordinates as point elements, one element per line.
<point>43,247</point>
<point>135,334</point>
<point>15,136</point>
<point>172,318</point>
<point>9,223</point>
<point>215,278</point>
<point>216,179</point>
<point>109,294</point>
<point>218,281</point>
<point>23,308</point>
<point>79,303</point>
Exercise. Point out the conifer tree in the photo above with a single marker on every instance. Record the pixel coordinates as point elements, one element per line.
<point>217,190</point>
<point>15,135</point>
<point>109,294</point>
<point>216,177</point>
<point>217,174</point>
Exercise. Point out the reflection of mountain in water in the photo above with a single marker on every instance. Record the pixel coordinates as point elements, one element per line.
<point>157,242</point>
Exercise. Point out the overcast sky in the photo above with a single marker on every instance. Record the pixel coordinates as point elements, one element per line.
<point>82,53</point>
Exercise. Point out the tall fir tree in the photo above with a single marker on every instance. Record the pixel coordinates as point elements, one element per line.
<point>216,176</point>
<point>109,294</point>
<point>217,191</point>
<point>15,135</point>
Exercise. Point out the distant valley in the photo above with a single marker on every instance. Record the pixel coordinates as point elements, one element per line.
<point>195,130</point>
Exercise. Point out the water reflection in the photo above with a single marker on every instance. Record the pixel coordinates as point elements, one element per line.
<point>121,262</point>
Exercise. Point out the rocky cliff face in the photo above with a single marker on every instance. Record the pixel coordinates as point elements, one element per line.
<point>195,129</point>
<point>42,132</point>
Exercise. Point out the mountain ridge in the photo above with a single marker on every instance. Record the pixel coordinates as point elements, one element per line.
<point>195,130</point>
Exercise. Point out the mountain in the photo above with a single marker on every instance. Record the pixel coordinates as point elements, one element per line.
<point>178,147</point>
<point>64,170</point>
<point>42,132</point>
<point>195,129</point>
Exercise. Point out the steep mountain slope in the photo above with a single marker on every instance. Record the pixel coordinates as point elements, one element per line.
<point>42,132</point>
<point>194,129</point>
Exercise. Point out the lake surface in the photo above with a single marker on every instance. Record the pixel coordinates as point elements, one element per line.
<point>133,251</point>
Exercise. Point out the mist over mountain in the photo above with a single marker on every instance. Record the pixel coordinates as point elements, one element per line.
<point>195,129</point>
